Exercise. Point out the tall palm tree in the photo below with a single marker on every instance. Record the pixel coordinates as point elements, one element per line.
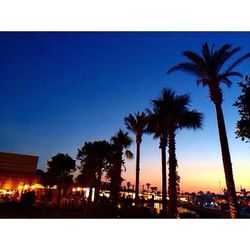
<point>157,126</point>
<point>137,124</point>
<point>209,70</point>
<point>175,109</point>
<point>121,143</point>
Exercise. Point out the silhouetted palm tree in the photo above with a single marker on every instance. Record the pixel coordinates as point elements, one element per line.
<point>208,67</point>
<point>137,124</point>
<point>153,189</point>
<point>120,143</point>
<point>177,116</point>
<point>128,185</point>
<point>148,185</point>
<point>157,127</point>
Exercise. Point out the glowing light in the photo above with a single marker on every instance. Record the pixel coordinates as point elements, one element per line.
<point>26,186</point>
<point>37,185</point>
<point>3,191</point>
<point>87,192</point>
<point>20,187</point>
<point>93,194</point>
<point>79,189</point>
<point>183,199</point>
<point>74,189</point>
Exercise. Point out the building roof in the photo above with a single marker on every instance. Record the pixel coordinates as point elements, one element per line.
<point>12,163</point>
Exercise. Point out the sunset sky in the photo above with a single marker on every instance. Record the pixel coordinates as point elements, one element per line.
<point>59,90</point>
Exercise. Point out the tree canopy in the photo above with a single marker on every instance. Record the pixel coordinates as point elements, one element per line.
<point>60,167</point>
<point>243,105</point>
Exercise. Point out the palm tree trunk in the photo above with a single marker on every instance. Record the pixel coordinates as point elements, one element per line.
<point>232,198</point>
<point>137,173</point>
<point>164,177</point>
<point>172,176</point>
<point>116,193</point>
<point>116,183</point>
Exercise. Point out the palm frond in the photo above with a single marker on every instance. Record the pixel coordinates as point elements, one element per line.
<point>130,122</point>
<point>148,111</point>
<point>191,120</point>
<point>236,62</point>
<point>182,101</point>
<point>121,139</point>
<point>186,67</point>
<point>205,52</point>
<point>222,55</point>
<point>232,73</point>
<point>207,66</point>
<point>194,57</point>
<point>211,51</point>
<point>137,123</point>
<point>225,77</point>
<point>226,81</point>
<point>129,155</point>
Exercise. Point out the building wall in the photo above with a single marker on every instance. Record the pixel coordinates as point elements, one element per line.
<point>18,163</point>
<point>17,170</point>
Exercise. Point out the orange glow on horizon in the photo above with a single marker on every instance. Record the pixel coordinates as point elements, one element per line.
<point>193,178</point>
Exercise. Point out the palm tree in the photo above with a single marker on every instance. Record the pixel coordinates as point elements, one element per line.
<point>208,68</point>
<point>137,124</point>
<point>120,142</point>
<point>157,127</point>
<point>128,185</point>
<point>177,116</point>
<point>153,189</point>
<point>148,185</point>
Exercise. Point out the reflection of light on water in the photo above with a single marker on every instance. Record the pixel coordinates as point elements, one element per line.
<point>158,206</point>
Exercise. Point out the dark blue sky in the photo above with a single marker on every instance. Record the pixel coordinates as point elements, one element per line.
<point>61,89</point>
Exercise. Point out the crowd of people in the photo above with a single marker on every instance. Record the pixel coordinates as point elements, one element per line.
<point>26,197</point>
<point>69,200</point>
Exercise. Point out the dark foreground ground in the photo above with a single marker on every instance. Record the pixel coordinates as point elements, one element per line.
<point>19,210</point>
